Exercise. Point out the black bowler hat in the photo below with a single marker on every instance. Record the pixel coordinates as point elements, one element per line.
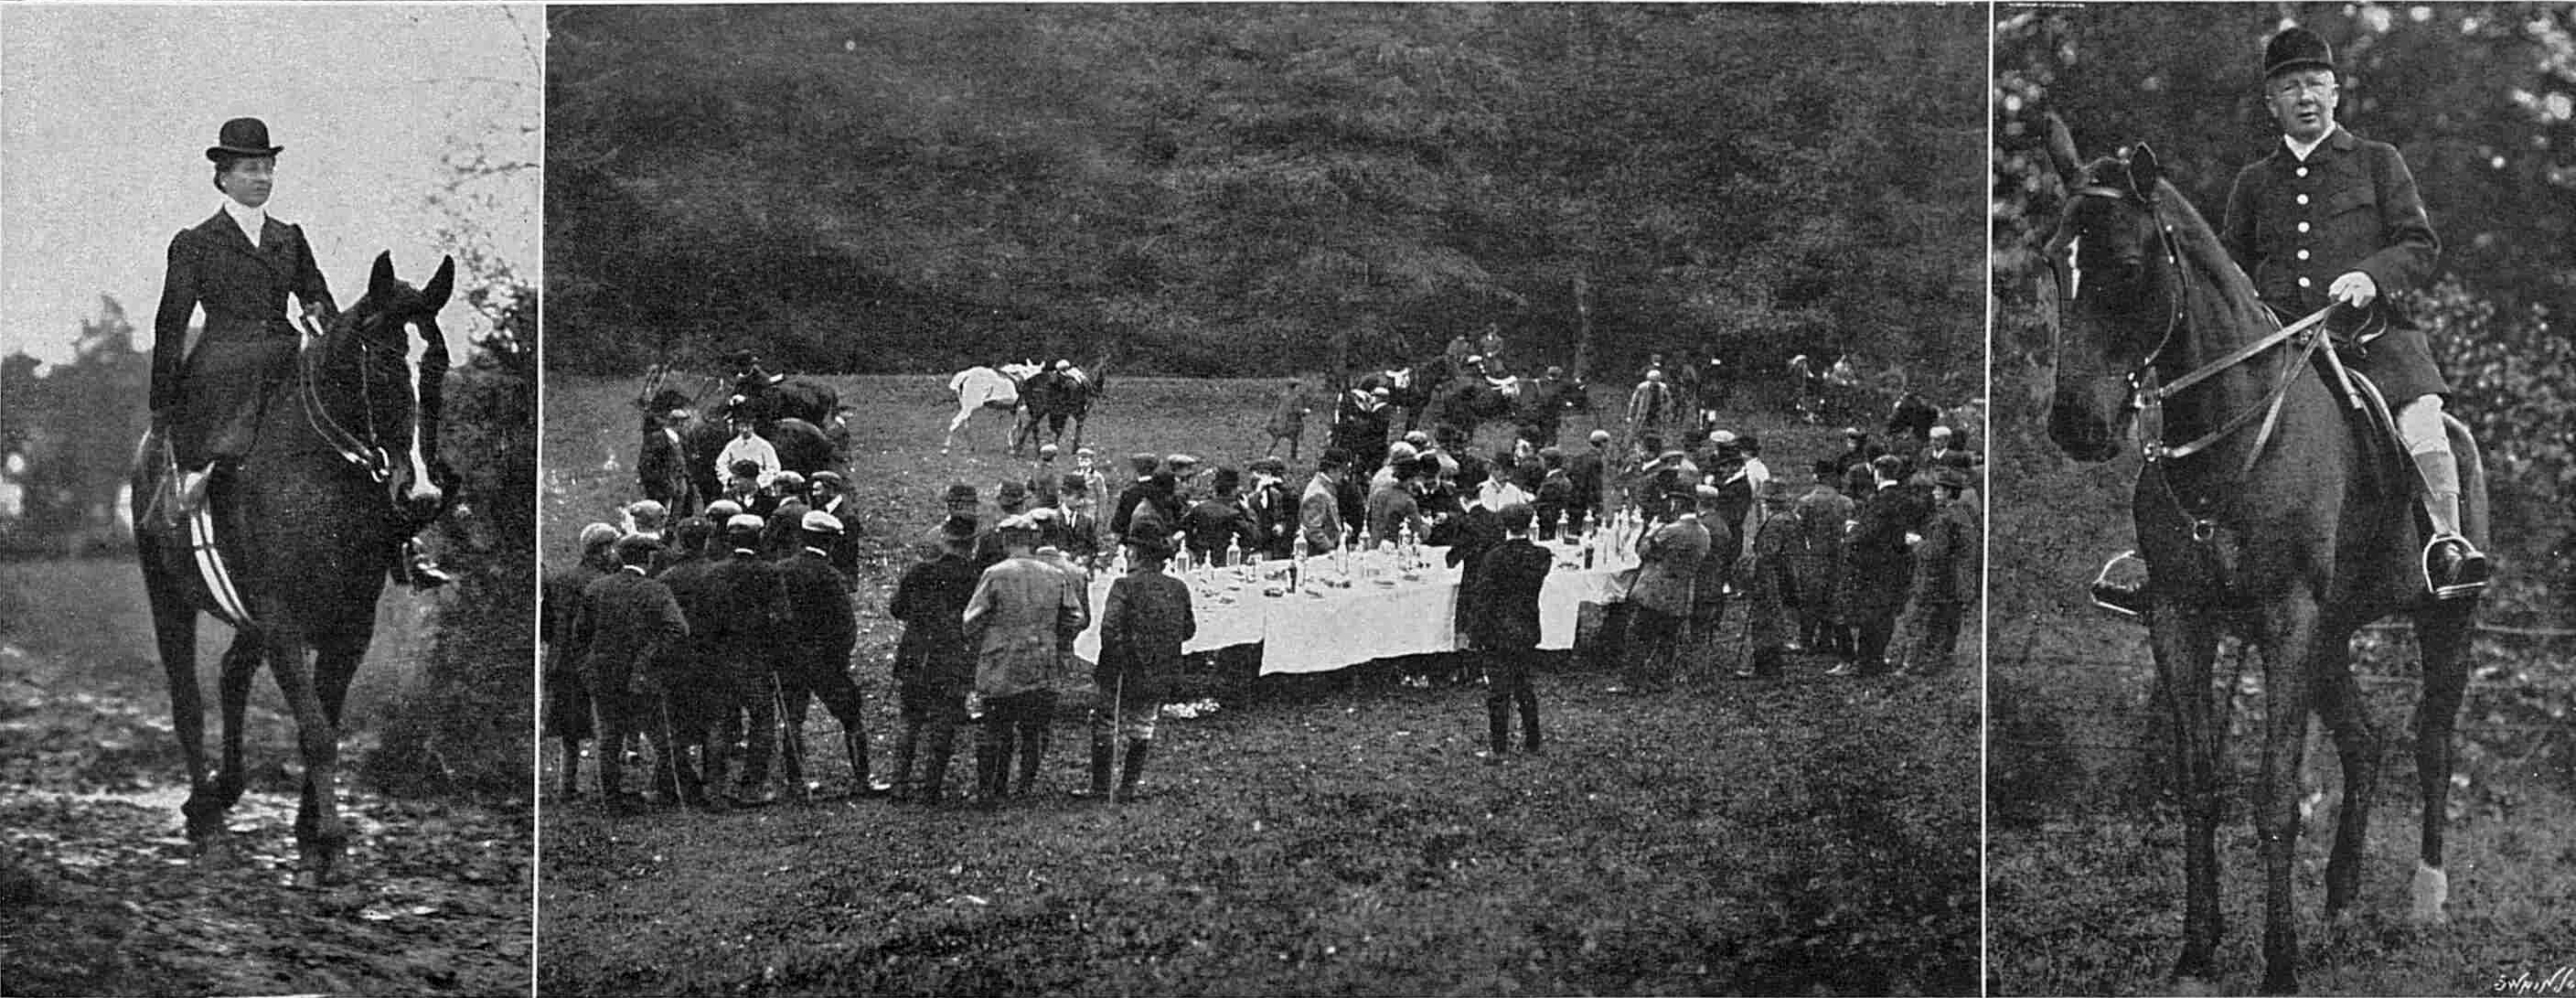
<point>242,137</point>
<point>2296,48</point>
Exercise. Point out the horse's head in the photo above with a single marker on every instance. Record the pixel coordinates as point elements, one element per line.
<point>2119,288</point>
<point>392,338</point>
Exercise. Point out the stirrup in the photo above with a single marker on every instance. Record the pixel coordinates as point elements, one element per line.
<point>2121,585</point>
<point>2466,576</point>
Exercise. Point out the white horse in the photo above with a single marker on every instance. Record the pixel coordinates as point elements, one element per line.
<point>985,388</point>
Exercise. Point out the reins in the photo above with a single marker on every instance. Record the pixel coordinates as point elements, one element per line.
<point>367,453</point>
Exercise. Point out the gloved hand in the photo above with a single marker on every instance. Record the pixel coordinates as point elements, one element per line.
<point>2355,289</point>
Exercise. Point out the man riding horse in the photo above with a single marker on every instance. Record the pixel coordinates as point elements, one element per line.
<point>2331,218</point>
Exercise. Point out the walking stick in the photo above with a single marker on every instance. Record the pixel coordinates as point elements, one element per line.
<point>791,735</point>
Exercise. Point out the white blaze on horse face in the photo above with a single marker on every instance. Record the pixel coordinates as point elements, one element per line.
<point>422,489</point>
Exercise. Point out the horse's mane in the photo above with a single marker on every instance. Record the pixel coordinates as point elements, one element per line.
<point>2209,263</point>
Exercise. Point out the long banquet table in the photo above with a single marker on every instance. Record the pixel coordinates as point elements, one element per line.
<point>1320,628</point>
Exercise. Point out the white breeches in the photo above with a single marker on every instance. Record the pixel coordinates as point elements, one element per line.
<point>2419,426</point>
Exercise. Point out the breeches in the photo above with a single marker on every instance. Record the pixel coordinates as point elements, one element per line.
<point>2419,426</point>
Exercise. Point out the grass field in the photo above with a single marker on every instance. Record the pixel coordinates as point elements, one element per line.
<point>1315,835</point>
<point>2084,849</point>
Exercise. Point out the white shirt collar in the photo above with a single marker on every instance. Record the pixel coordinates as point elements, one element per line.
<point>2300,150</point>
<point>250,219</point>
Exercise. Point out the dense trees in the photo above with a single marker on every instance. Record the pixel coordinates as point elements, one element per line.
<point>1256,189</point>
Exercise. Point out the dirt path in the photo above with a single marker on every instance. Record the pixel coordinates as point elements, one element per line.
<point>99,893</point>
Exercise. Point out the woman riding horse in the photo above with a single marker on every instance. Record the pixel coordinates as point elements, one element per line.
<point>241,265</point>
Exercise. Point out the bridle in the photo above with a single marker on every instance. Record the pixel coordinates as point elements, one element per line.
<point>2149,391</point>
<point>362,450</point>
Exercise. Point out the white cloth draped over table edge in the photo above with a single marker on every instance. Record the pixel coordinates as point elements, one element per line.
<point>1345,627</point>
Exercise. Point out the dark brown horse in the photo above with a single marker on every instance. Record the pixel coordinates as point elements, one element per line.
<point>2265,509</point>
<point>1052,396</point>
<point>344,466</point>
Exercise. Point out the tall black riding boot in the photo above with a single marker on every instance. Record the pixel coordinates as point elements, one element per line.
<point>1135,768</point>
<point>571,769</point>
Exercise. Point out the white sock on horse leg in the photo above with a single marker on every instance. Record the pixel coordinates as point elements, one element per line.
<point>2432,892</point>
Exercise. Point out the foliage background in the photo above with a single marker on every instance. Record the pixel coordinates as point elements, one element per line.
<point>1259,189</point>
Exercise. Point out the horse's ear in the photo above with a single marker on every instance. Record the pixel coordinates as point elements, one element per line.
<point>380,279</point>
<point>2061,151</point>
<point>2144,172</point>
<point>440,284</point>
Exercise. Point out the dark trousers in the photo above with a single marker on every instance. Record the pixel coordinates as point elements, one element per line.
<point>1654,637</point>
<point>1877,628</point>
<point>623,714</point>
<point>821,674</point>
<point>749,717</point>
<point>1507,683</point>
<point>1019,720</point>
<point>1936,636</point>
<point>931,714</point>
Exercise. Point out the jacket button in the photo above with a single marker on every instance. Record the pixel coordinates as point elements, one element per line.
<point>2303,254</point>
<point>2303,226</point>
<point>2302,171</point>
<point>2304,282</point>
<point>2303,199</point>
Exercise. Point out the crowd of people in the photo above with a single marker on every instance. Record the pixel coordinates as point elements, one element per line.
<point>701,639</point>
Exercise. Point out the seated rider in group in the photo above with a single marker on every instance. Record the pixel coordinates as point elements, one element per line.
<point>2285,228</point>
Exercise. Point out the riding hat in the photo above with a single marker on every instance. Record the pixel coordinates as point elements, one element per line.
<point>819,522</point>
<point>2296,48</point>
<point>961,492</point>
<point>1148,543</point>
<point>242,137</point>
<point>1073,485</point>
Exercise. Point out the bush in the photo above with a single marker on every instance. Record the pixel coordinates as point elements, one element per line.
<point>464,725</point>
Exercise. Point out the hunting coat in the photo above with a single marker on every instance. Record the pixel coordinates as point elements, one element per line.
<point>931,601</point>
<point>248,343</point>
<point>1502,605</point>
<point>626,624</point>
<point>1143,624</point>
<point>2294,226</point>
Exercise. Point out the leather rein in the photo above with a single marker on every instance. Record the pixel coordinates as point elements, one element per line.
<point>366,452</point>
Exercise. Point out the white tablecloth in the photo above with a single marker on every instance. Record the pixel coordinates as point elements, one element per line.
<point>1319,629</point>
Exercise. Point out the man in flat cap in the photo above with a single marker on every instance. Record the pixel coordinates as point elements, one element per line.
<point>2333,218</point>
<point>817,628</point>
<point>620,636</point>
<point>1877,564</point>
<point>739,619</point>
<point>1659,601</point>
<point>567,713</point>
<point>1021,621</point>
<point>1948,565</point>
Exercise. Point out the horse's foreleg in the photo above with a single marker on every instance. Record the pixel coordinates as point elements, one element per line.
<point>2442,637</point>
<point>174,629</point>
<point>2288,642</point>
<point>2347,716</point>
<point>240,667</point>
<point>318,834</point>
<point>2185,649</point>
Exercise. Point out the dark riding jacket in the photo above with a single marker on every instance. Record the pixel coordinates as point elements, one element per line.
<point>2294,227</point>
<point>210,393</point>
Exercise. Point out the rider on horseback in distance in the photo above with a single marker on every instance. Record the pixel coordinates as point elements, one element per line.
<point>2333,218</point>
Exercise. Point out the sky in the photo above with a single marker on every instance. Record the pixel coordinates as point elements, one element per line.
<point>106,112</point>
